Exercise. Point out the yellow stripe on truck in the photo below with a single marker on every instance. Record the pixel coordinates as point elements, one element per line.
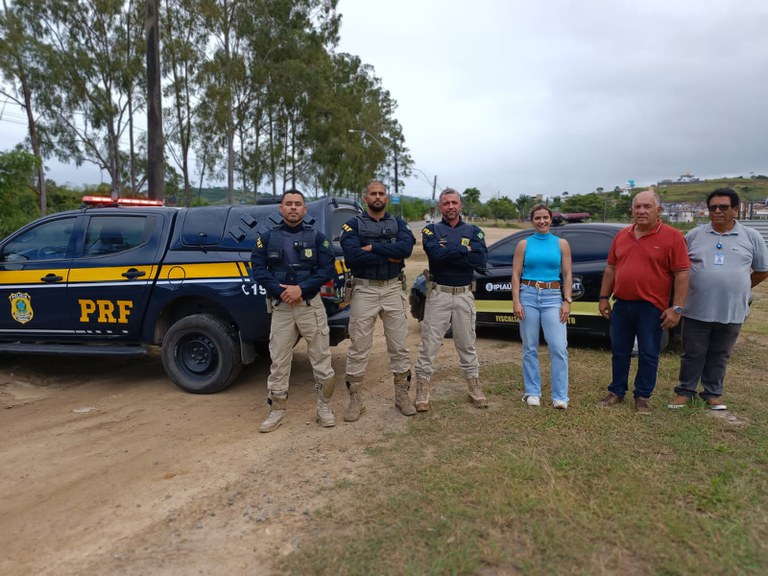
<point>211,270</point>
<point>108,274</point>
<point>31,276</point>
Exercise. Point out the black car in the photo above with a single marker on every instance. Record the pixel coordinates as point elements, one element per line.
<point>590,244</point>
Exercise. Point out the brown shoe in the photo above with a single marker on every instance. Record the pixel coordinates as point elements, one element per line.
<point>679,402</point>
<point>714,403</point>
<point>610,400</point>
<point>643,405</point>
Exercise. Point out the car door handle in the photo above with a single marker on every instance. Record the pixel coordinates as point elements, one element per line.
<point>132,274</point>
<point>51,278</point>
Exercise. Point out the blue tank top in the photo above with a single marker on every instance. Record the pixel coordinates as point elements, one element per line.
<point>542,258</point>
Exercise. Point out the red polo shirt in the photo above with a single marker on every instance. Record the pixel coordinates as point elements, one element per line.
<point>645,266</point>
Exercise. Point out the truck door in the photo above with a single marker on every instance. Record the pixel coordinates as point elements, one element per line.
<point>111,280</point>
<point>34,264</point>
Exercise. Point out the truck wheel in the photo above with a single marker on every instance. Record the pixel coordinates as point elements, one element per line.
<point>200,354</point>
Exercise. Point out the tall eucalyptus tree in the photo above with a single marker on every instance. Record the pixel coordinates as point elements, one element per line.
<point>183,44</point>
<point>18,67</point>
<point>90,78</point>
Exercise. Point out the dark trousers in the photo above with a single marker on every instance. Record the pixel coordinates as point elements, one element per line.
<point>632,319</point>
<point>706,349</point>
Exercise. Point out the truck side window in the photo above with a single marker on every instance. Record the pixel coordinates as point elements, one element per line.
<point>48,241</point>
<point>114,234</point>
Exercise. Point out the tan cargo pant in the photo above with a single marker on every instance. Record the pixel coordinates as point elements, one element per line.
<point>371,300</point>
<point>441,310</point>
<point>288,323</point>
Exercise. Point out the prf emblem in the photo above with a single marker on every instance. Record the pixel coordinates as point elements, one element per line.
<point>307,252</point>
<point>21,307</point>
<point>465,241</point>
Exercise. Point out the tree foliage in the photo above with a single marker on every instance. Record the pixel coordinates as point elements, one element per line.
<point>17,169</point>
<point>502,208</point>
<point>254,90</point>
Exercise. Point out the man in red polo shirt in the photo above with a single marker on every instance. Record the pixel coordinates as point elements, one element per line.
<point>647,269</point>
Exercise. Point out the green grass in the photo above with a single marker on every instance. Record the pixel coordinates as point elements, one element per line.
<point>515,490</point>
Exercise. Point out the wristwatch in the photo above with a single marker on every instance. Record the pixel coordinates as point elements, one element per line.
<point>677,309</point>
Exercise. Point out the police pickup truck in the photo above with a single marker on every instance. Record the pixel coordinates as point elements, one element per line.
<point>117,279</point>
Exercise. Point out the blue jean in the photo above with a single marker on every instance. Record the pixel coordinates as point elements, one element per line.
<point>542,310</point>
<point>632,319</point>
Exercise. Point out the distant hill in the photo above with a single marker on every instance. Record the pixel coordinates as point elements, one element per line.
<point>755,189</point>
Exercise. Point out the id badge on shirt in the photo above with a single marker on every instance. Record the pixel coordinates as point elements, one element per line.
<point>719,259</point>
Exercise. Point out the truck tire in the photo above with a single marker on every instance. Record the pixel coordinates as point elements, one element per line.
<point>201,355</point>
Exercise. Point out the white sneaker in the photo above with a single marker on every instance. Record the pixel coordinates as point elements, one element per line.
<point>560,404</point>
<point>532,400</point>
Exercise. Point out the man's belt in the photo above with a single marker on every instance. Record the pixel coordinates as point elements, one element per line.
<point>367,282</point>
<point>453,289</point>
<point>539,285</point>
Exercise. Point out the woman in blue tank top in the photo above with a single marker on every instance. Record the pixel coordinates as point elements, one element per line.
<point>541,299</point>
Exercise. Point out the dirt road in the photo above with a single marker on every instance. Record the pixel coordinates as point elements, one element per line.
<point>107,468</point>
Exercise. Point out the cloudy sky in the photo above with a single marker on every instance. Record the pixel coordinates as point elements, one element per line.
<point>527,97</point>
<point>541,97</point>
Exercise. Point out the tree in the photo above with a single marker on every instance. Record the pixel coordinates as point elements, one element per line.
<point>471,198</point>
<point>16,172</point>
<point>524,203</point>
<point>90,70</point>
<point>183,44</point>
<point>502,208</point>
<point>155,156</point>
<point>18,66</point>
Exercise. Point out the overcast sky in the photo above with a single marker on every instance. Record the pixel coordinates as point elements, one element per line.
<point>541,97</point>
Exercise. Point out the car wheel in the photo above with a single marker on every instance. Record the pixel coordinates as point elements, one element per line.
<point>201,355</point>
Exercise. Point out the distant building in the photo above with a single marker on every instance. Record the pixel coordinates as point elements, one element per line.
<point>679,212</point>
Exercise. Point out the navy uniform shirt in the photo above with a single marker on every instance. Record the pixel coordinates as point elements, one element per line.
<point>450,262</point>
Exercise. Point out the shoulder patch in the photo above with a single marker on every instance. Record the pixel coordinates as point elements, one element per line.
<point>346,228</point>
<point>326,244</point>
<point>259,243</point>
<point>480,234</point>
<point>427,232</point>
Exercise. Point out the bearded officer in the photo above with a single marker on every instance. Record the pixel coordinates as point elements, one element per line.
<point>455,249</point>
<point>375,245</point>
<point>291,262</point>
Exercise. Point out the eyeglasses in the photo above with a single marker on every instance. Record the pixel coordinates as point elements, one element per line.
<point>716,207</point>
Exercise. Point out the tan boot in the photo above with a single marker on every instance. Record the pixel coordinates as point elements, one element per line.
<point>475,391</point>
<point>276,413</point>
<point>402,400</point>
<point>356,406</point>
<point>324,414</point>
<point>422,395</point>
<point>324,391</point>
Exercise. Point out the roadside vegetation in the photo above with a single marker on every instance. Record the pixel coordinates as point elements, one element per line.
<point>515,490</point>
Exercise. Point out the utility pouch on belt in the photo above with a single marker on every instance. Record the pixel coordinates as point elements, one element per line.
<point>268,302</point>
<point>403,280</point>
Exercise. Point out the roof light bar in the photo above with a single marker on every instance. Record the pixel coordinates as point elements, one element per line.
<point>107,201</point>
